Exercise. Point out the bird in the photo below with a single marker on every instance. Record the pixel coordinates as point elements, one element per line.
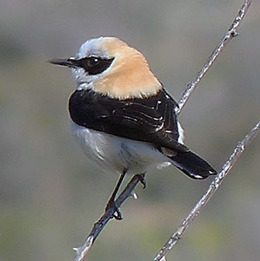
<point>122,116</point>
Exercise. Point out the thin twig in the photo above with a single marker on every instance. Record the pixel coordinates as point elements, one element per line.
<point>82,251</point>
<point>240,148</point>
<point>231,33</point>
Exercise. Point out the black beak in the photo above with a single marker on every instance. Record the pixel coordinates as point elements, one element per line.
<point>70,62</point>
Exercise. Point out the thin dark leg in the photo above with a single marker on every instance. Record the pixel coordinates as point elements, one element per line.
<point>111,202</point>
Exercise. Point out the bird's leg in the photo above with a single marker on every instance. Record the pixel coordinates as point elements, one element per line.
<point>111,203</point>
<point>142,180</point>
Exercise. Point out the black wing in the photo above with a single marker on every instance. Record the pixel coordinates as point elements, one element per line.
<point>150,119</point>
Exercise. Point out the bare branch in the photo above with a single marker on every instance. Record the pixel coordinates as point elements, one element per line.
<point>231,33</point>
<point>240,148</point>
<point>82,251</point>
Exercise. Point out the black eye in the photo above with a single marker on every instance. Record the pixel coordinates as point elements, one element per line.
<point>94,65</point>
<point>93,61</point>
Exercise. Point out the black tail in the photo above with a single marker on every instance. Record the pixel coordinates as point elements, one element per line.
<point>192,165</point>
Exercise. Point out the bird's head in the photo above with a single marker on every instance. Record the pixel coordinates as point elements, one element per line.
<point>110,67</point>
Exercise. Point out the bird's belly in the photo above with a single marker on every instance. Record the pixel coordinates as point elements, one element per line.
<point>115,153</point>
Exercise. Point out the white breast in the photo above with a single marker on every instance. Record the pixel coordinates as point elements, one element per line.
<point>114,153</point>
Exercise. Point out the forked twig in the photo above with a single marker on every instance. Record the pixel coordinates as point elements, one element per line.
<point>240,148</point>
<point>82,251</point>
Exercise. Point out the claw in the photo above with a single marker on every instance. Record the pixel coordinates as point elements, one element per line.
<point>116,214</point>
<point>143,180</point>
<point>134,195</point>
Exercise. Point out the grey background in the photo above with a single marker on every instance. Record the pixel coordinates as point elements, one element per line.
<point>50,195</point>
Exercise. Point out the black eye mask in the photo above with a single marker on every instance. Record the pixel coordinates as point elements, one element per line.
<point>94,65</point>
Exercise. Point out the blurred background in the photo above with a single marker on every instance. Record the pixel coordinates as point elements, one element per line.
<point>50,195</point>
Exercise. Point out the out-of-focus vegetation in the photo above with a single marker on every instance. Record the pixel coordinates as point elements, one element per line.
<point>50,195</point>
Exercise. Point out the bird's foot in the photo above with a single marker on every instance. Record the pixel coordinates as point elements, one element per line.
<point>142,179</point>
<point>116,212</point>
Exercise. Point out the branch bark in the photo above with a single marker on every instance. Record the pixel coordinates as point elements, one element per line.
<point>82,251</point>
<point>240,148</point>
<point>231,33</point>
